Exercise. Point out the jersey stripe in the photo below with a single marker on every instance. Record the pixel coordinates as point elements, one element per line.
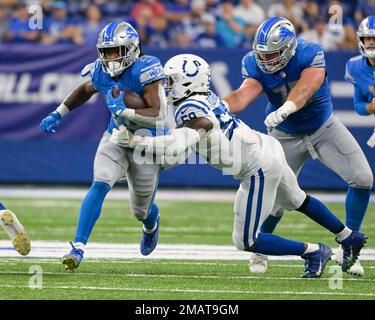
<point>193,103</point>
<point>259,203</point>
<point>248,213</point>
<point>185,107</point>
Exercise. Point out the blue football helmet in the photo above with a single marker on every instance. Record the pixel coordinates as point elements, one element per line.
<point>124,37</point>
<point>274,44</point>
<point>366,30</point>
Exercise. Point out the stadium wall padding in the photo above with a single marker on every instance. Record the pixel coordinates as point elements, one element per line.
<point>34,79</point>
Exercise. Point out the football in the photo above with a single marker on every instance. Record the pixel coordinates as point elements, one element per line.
<point>131,99</point>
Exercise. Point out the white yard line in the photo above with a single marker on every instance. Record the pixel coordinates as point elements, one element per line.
<point>161,195</point>
<point>56,249</point>
<point>182,276</point>
<point>304,293</point>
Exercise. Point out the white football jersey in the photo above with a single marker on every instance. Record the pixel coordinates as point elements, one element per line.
<point>231,145</point>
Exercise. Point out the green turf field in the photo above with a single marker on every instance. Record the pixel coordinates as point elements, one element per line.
<point>182,223</point>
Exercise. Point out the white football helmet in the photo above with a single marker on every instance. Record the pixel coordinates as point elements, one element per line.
<point>274,44</point>
<point>366,30</point>
<point>123,37</point>
<point>186,74</point>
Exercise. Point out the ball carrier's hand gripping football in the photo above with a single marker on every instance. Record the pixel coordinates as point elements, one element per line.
<point>125,103</point>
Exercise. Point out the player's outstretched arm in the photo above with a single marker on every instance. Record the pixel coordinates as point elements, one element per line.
<point>156,110</point>
<point>239,99</point>
<point>174,144</point>
<point>77,98</point>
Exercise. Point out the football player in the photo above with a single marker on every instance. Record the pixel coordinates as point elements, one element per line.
<point>292,73</point>
<point>121,63</point>
<point>360,71</point>
<point>257,160</point>
<point>15,231</point>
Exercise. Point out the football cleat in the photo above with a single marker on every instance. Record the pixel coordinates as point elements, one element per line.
<point>316,261</point>
<point>73,259</point>
<point>356,269</point>
<point>258,263</point>
<point>339,256</point>
<point>15,231</point>
<point>352,246</point>
<point>150,240</point>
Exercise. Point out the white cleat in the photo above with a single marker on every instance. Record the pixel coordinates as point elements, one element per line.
<point>339,256</point>
<point>15,231</point>
<point>258,263</point>
<point>355,270</point>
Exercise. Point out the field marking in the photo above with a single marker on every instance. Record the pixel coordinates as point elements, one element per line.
<point>14,261</point>
<point>194,290</point>
<point>56,249</point>
<point>161,195</point>
<point>181,276</point>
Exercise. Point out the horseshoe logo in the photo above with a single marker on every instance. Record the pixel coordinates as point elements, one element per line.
<point>196,63</point>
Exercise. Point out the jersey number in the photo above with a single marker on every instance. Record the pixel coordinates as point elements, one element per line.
<point>189,116</point>
<point>284,90</point>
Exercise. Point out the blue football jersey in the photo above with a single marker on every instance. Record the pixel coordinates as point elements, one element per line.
<point>278,85</point>
<point>362,76</point>
<point>143,71</point>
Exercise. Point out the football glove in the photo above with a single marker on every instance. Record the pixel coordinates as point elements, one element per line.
<point>122,137</point>
<point>278,116</point>
<point>115,105</point>
<point>51,122</point>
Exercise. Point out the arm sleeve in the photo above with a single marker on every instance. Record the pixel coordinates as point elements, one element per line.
<point>359,102</point>
<point>151,71</point>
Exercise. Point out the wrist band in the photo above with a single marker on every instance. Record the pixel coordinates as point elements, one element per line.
<point>62,109</point>
<point>289,107</point>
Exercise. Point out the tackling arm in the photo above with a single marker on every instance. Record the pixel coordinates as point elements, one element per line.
<point>246,94</point>
<point>176,143</point>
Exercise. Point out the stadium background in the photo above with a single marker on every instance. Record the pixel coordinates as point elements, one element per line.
<point>38,68</point>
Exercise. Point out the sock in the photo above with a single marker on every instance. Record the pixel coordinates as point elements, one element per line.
<point>311,247</point>
<point>343,234</point>
<point>356,205</point>
<point>318,212</point>
<point>90,210</point>
<point>79,245</point>
<point>149,224</point>
<point>2,207</point>
<point>270,244</point>
<point>270,224</point>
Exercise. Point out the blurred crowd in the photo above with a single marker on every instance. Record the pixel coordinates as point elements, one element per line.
<point>185,23</point>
